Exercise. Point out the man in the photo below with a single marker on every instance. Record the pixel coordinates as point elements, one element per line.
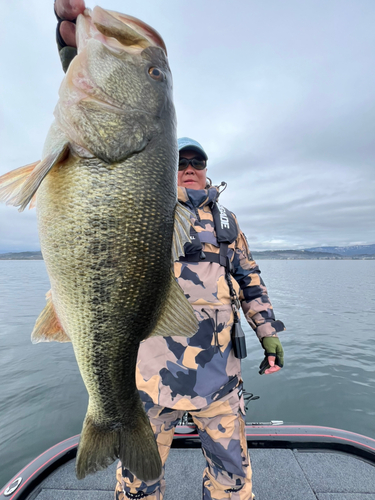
<point>202,374</point>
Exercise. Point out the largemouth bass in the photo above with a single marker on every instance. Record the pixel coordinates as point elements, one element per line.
<point>110,228</point>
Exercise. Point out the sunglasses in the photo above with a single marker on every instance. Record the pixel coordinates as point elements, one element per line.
<point>194,162</point>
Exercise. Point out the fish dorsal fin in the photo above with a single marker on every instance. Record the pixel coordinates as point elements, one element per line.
<point>178,316</point>
<point>18,187</point>
<point>48,327</point>
<point>181,233</point>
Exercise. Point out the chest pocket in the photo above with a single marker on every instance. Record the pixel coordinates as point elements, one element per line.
<point>195,244</point>
<point>197,239</point>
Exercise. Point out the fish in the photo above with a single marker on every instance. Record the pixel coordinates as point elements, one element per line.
<point>110,228</point>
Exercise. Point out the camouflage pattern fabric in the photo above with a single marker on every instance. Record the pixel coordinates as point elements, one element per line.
<point>221,428</point>
<point>188,374</point>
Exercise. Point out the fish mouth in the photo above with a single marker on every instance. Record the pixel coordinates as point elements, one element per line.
<point>117,31</point>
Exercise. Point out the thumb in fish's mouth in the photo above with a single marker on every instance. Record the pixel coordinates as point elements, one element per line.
<point>118,31</point>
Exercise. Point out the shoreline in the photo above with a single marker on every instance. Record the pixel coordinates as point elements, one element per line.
<point>266,255</point>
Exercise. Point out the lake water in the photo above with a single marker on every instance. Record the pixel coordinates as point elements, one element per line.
<point>328,378</point>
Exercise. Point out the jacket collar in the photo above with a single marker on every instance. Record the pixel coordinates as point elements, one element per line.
<point>198,198</point>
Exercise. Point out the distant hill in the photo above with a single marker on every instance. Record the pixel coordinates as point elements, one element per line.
<point>346,251</point>
<point>324,253</point>
<point>21,256</point>
<point>320,253</point>
<point>295,255</point>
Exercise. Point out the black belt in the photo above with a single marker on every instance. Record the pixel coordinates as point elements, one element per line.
<point>201,257</point>
<point>219,258</point>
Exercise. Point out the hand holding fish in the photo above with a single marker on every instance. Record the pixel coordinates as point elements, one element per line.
<point>69,11</point>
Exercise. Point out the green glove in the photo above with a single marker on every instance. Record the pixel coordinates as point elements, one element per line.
<point>272,347</point>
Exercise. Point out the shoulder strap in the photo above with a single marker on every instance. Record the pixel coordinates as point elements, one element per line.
<point>225,224</point>
<point>226,232</point>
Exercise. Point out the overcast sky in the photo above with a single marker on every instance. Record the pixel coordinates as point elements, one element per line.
<point>280,94</point>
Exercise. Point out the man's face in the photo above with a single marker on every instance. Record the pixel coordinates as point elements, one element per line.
<point>190,177</point>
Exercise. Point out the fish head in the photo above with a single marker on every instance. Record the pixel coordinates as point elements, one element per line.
<point>116,97</point>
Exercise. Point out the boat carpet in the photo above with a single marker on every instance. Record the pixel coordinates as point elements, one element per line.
<point>277,474</point>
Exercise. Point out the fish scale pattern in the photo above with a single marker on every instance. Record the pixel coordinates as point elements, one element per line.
<point>89,217</point>
<point>106,198</point>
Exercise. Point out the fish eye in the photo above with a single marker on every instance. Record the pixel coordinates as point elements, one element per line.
<point>155,73</point>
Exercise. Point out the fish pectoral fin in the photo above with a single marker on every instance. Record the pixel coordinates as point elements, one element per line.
<point>181,232</point>
<point>178,316</point>
<point>32,202</point>
<point>19,186</point>
<point>11,183</point>
<point>48,327</point>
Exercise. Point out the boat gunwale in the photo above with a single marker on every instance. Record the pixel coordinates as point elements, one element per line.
<point>293,437</point>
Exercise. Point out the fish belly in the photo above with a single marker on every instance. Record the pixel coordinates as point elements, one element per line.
<point>106,240</point>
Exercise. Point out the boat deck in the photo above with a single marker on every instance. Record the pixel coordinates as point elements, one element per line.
<point>289,463</point>
<point>278,474</point>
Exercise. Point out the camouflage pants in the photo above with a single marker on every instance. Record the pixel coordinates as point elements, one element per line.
<point>221,428</point>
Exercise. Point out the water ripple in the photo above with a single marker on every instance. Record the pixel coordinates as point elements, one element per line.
<point>328,378</point>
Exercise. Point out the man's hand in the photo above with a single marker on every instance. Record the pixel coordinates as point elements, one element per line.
<point>69,10</point>
<point>274,355</point>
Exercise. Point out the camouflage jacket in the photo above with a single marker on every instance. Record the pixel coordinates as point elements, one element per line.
<point>183,373</point>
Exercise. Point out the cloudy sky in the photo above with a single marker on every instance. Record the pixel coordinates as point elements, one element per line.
<point>281,95</point>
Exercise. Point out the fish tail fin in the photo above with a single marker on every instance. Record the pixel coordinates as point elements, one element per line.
<point>135,446</point>
<point>138,449</point>
<point>98,448</point>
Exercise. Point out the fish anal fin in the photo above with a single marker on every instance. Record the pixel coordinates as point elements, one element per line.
<point>48,327</point>
<point>181,233</point>
<point>178,316</point>
<point>18,187</point>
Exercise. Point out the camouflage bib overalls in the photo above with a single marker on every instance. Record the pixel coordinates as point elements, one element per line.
<point>201,374</point>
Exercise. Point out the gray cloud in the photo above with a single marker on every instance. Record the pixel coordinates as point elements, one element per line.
<point>281,95</point>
